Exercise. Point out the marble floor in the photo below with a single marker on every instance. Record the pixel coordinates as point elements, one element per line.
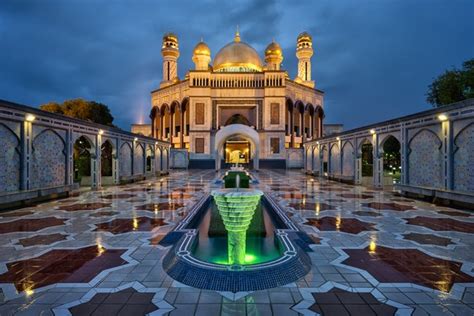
<point>374,253</point>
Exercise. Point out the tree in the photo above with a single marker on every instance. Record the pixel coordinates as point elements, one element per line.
<point>452,86</point>
<point>82,109</point>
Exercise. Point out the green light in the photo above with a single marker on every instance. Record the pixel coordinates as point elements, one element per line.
<point>250,258</point>
<point>237,208</point>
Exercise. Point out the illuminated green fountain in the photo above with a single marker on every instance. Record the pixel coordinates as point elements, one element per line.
<point>236,207</point>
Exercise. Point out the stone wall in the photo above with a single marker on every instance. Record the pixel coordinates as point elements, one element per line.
<point>436,149</point>
<point>37,153</point>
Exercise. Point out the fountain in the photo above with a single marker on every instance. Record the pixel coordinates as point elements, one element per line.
<point>236,207</point>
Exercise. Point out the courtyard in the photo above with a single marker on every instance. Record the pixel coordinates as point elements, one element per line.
<point>372,252</point>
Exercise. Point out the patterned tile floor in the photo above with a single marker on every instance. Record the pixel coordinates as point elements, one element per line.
<point>375,253</point>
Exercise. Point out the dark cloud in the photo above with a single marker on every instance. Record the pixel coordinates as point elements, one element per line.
<point>374,59</point>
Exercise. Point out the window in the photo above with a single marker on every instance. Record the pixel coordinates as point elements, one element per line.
<point>275,145</point>
<point>199,145</point>
<point>199,114</point>
<point>274,113</point>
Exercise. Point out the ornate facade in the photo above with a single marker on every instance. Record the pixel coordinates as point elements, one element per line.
<point>237,108</point>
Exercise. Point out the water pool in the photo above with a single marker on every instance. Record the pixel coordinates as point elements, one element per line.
<point>211,244</point>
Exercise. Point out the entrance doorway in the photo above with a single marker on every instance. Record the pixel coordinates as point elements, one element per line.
<point>237,151</point>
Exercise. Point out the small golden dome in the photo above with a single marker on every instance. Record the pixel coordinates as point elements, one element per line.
<point>202,49</point>
<point>273,49</point>
<point>305,37</point>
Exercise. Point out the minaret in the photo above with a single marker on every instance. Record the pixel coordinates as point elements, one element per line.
<point>170,53</point>
<point>273,56</point>
<point>304,51</point>
<point>201,56</point>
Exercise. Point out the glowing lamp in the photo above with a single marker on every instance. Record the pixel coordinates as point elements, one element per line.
<point>372,131</point>
<point>442,117</point>
<point>135,139</point>
<point>30,117</point>
<point>338,138</point>
<point>101,132</point>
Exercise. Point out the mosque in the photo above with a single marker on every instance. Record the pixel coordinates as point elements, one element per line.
<point>236,108</point>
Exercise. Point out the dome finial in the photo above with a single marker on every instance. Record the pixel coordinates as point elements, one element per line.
<point>237,35</point>
<point>202,39</point>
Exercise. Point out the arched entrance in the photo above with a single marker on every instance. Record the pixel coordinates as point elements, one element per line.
<point>391,160</point>
<point>237,141</point>
<point>82,160</point>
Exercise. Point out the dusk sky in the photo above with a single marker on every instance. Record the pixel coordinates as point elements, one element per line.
<point>374,59</point>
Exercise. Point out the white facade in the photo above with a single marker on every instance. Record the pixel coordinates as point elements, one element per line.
<point>237,89</point>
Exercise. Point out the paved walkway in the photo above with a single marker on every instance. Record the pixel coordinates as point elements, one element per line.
<point>374,253</point>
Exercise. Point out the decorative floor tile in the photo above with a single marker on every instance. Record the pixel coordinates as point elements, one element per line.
<point>83,206</point>
<point>390,265</point>
<point>319,207</point>
<point>117,196</point>
<point>41,240</point>
<point>455,213</point>
<point>356,196</point>
<point>61,266</point>
<point>409,259</point>
<point>388,206</point>
<point>346,225</point>
<point>30,225</point>
<point>428,239</point>
<point>125,225</point>
<point>367,213</point>
<point>442,224</point>
<point>163,206</point>
<point>340,302</point>
<point>15,213</point>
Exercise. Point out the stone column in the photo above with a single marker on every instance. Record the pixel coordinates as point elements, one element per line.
<point>69,158</point>
<point>404,155</point>
<point>116,162</point>
<point>378,162</point>
<point>181,130</point>
<point>26,148</point>
<point>153,125</point>
<point>448,154</point>
<point>292,129</point>
<point>358,163</point>
<point>96,164</point>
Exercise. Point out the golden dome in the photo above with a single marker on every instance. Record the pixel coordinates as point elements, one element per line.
<point>202,49</point>
<point>273,49</point>
<point>237,56</point>
<point>305,36</point>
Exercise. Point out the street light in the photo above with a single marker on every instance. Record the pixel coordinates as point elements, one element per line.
<point>442,117</point>
<point>30,117</point>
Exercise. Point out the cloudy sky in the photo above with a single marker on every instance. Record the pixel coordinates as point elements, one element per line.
<point>374,59</point>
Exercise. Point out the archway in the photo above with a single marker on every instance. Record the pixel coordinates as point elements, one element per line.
<point>82,160</point>
<point>242,133</point>
<point>238,119</point>
<point>149,159</point>
<point>367,162</point>
<point>106,163</point>
<point>391,160</point>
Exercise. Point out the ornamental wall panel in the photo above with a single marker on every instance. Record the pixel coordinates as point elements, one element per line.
<point>335,160</point>
<point>425,160</point>
<point>348,159</point>
<point>125,160</point>
<point>9,159</point>
<point>464,160</point>
<point>138,157</point>
<point>48,160</point>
